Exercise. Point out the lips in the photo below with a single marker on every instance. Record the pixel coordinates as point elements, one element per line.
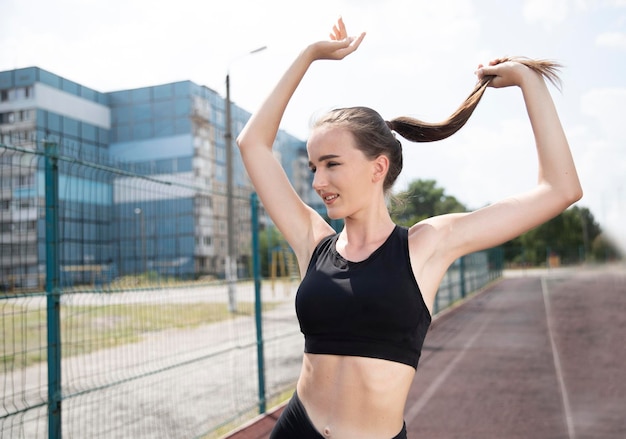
<point>329,198</point>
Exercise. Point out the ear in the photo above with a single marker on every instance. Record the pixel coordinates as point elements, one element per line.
<point>380,166</point>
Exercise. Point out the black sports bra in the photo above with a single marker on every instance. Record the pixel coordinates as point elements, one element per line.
<point>373,308</point>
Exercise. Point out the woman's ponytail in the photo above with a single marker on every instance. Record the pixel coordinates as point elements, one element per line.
<point>418,131</point>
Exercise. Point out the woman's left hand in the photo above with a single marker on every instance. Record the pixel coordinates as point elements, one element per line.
<point>505,73</point>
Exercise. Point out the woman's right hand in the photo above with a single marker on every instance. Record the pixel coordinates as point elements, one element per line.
<point>339,46</point>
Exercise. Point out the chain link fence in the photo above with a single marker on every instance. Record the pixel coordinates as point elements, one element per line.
<point>111,327</point>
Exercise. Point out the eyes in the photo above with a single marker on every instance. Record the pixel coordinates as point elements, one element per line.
<point>328,164</point>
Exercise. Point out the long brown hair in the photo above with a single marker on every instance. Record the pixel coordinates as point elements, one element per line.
<point>375,136</point>
<point>420,131</point>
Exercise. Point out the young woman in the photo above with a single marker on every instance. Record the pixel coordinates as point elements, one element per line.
<point>365,301</point>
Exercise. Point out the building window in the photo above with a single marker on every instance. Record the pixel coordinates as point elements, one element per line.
<point>23,227</point>
<point>4,95</point>
<point>204,201</point>
<point>26,180</point>
<point>7,117</point>
<point>24,204</point>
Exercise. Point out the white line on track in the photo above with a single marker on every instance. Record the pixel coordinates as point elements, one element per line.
<point>417,407</point>
<point>557,361</point>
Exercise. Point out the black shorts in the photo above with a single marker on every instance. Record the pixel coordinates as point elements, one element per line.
<point>294,423</point>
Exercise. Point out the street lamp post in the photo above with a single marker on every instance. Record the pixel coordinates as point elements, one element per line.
<point>230,265</point>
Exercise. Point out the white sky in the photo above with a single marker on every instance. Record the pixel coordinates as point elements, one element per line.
<point>418,59</point>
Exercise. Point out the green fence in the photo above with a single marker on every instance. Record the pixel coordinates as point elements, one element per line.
<point>112,326</point>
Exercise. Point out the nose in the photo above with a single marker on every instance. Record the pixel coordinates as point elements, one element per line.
<point>319,182</point>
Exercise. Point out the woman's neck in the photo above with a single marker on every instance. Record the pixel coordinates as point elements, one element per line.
<point>359,239</point>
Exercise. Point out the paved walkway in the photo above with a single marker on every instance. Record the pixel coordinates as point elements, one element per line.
<point>537,356</point>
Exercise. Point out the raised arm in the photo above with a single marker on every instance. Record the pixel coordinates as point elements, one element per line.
<point>301,225</point>
<point>557,187</point>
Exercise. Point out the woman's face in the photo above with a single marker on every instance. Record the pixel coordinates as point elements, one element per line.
<point>343,175</point>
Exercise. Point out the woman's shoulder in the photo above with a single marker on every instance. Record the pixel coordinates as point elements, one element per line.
<point>427,238</point>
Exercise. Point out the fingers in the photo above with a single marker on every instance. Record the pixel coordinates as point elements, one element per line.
<point>493,62</point>
<point>354,43</point>
<point>497,61</point>
<point>342,27</point>
<point>340,44</point>
<point>490,69</point>
<point>339,31</point>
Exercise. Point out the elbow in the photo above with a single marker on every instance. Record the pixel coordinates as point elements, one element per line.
<point>248,141</point>
<point>566,190</point>
<point>244,138</point>
<point>578,194</point>
<point>240,140</point>
<point>562,197</point>
<point>244,144</point>
<point>572,194</point>
<point>575,192</point>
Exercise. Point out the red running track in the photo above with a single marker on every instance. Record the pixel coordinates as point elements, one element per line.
<point>537,356</point>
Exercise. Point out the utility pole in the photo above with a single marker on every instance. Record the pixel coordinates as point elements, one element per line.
<point>230,265</point>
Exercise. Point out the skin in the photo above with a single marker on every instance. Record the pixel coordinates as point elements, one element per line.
<point>364,397</point>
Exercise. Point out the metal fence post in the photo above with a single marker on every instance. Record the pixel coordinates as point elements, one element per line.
<point>53,303</point>
<point>258,304</point>
<point>462,276</point>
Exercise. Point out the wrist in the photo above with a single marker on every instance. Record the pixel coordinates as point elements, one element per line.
<point>528,77</point>
<point>308,54</point>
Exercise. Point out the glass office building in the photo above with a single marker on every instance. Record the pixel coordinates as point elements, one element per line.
<point>171,132</point>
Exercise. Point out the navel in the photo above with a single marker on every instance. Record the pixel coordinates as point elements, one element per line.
<point>326,431</point>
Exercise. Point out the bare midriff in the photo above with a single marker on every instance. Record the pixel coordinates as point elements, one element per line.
<point>348,397</point>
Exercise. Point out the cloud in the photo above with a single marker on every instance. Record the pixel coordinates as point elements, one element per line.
<point>612,40</point>
<point>603,164</point>
<point>607,107</point>
<point>546,12</point>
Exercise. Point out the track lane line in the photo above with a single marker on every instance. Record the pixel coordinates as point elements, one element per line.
<point>557,361</point>
<point>418,405</point>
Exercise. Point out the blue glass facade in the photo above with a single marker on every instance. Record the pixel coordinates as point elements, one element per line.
<point>36,105</point>
<point>172,131</point>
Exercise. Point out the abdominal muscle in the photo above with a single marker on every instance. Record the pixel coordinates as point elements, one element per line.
<point>347,397</point>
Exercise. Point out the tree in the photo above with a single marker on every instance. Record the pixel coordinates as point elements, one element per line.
<point>275,254</point>
<point>572,236</point>
<point>569,236</point>
<point>421,200</point>
<point>603,249</point>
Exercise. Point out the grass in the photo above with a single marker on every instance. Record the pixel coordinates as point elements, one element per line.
<point>86,329</point>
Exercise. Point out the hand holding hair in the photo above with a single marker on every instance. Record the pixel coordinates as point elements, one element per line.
<point>501,72</point>
<point>497,73</point>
